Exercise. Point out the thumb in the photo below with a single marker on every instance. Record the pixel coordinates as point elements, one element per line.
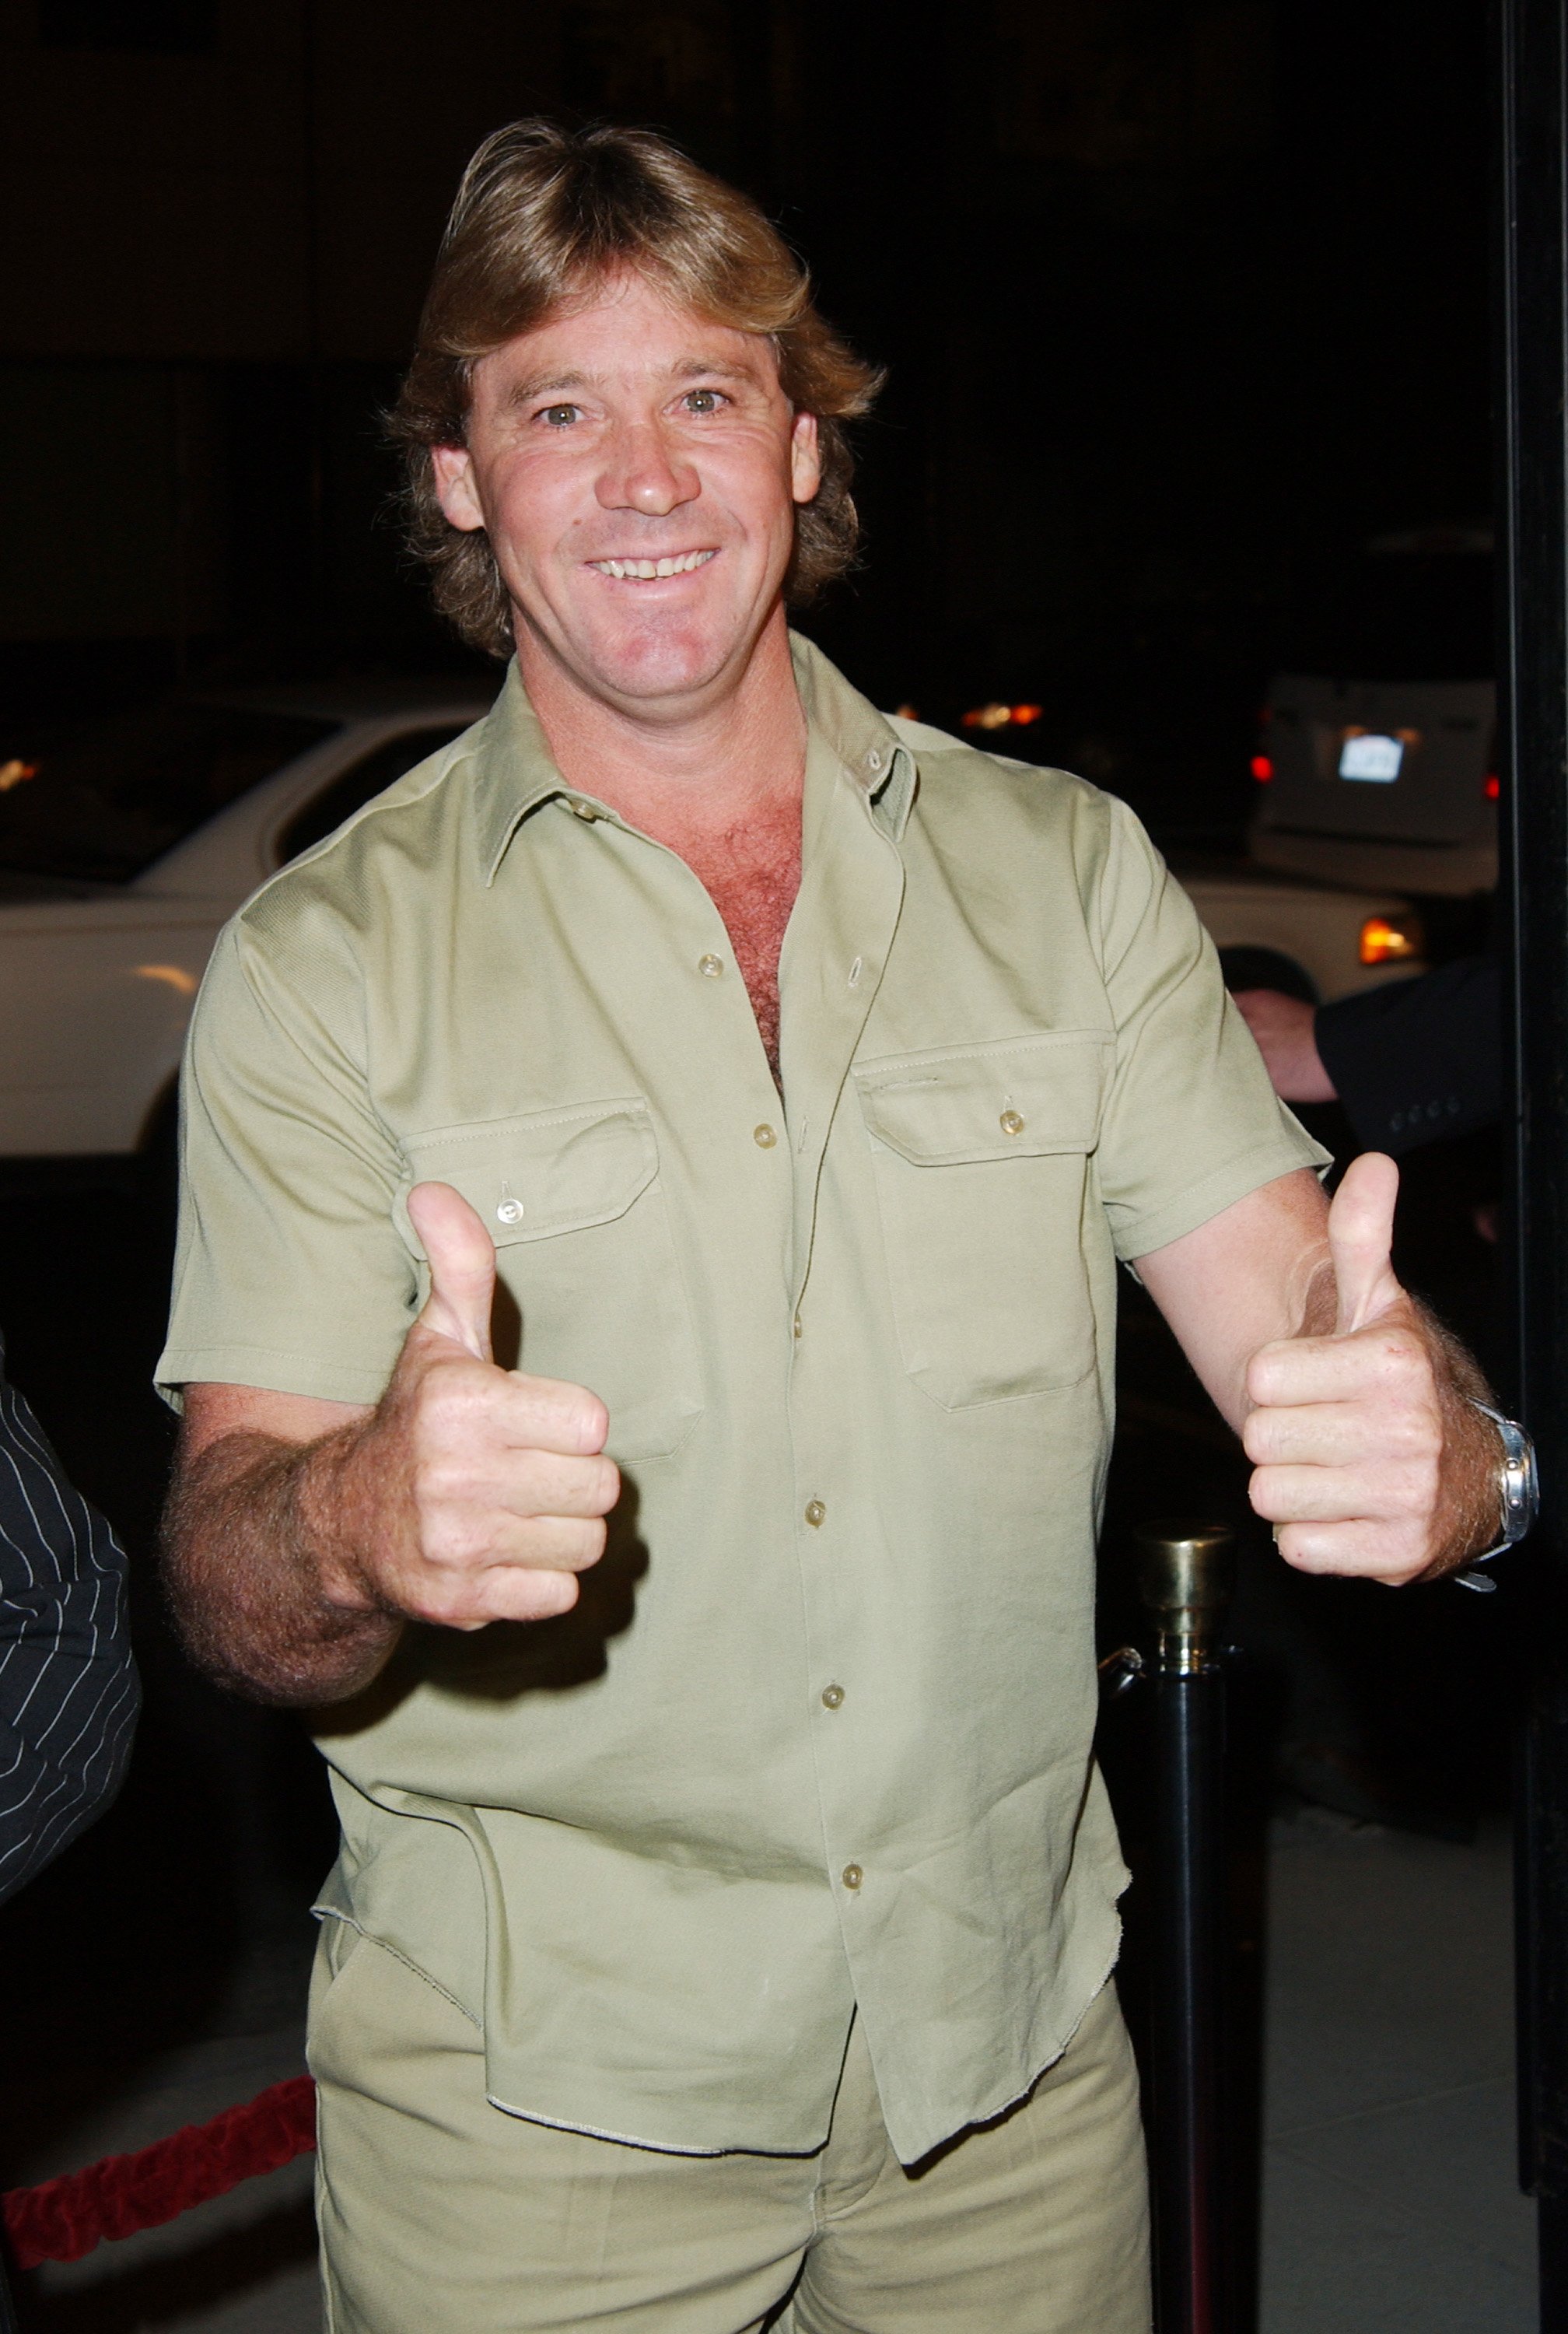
<point>1361,1236</point>
<point>462,1265</point>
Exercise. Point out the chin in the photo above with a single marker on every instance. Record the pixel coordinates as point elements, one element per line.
<point>653,662</point>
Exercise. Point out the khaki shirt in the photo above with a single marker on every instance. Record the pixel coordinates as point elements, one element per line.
<point>817,1737</point>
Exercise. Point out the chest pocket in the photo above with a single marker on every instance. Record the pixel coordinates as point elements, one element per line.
<point>981,1161</point>
<point>585,1254</point>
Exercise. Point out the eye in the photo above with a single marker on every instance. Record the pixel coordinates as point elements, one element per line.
<point>704,400</point>
<point>557,417</point>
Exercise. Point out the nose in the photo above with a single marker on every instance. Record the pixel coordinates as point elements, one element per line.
<point>641,475</point>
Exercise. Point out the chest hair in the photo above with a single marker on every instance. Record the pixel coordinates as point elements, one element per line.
<point>752,877</point>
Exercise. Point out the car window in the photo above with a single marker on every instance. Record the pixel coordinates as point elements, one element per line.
<point>103,801</point>
<point>352,789</point>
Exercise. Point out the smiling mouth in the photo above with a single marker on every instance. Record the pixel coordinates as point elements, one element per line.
<point>648,571</point>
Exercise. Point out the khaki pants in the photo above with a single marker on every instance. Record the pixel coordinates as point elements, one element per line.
<point>441,2215</point>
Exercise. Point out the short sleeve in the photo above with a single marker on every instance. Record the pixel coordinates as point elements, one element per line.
<point>289,1274</point>
<point>1191,1123</point>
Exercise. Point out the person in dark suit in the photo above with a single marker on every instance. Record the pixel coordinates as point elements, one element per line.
<point>1407,1063</point>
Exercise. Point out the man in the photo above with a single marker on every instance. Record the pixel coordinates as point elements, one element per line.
<point>727,1898</point>
<point>69,1692</point>
<point>1411,1062</point>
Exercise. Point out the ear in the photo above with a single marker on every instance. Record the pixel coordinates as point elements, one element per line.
<point>805,460</point>
<point>453,466</point>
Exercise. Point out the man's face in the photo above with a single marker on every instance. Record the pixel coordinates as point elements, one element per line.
<point>637,469</point>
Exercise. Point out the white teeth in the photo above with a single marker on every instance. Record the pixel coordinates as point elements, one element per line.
<point>647,570</point>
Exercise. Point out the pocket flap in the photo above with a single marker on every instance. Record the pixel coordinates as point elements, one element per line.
<point>1011,1097</point>
<point>547,1172</point>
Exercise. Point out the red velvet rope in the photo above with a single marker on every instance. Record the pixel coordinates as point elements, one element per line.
<point>65,2218</point>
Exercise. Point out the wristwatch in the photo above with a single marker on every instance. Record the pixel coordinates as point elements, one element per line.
<point>1518,1489</point>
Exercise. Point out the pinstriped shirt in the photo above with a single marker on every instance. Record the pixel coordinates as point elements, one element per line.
<point>69,1694</point>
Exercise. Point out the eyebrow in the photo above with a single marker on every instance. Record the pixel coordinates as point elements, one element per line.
<point>686,368</point>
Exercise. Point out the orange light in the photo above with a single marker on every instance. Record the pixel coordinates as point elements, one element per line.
<point>1002,716</point>
<point>1383,943</point>
<point>908,712</point>
<point>14,772</point>
<point>1493,786</point>
<point>1262,768</point>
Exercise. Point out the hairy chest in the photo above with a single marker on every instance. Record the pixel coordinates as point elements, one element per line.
<point>754,888</point>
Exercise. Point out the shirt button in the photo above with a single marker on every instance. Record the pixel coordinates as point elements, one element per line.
<point>710,966</point>
<point>853,1875</point>
<point>510,1211</point>
<point>832,1697</point>
<point>763,1137</point>
<point>797,1325</point>
<point>815,1513</point>
<point>1011,1123</point>
<point>585,811</point>
<point>873,761</point>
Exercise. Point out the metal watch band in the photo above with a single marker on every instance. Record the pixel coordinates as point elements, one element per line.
<point>1518,1492</point>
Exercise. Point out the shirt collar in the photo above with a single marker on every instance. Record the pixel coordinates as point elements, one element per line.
<point>871,755</point>
<point>516,772</point>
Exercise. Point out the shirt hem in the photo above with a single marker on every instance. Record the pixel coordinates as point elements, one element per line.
<point>269,1369</point>
<point>649,2146</point>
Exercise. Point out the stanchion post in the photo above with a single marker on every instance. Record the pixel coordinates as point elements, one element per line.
<point>1186,1576</point>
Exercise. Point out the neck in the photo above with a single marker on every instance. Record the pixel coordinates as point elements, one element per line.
<point>701,768</point>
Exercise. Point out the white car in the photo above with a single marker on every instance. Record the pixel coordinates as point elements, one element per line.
<point>123,853</point>
<point>1316,940</point>
<point>1326,900</point>
<point>1374,797</point>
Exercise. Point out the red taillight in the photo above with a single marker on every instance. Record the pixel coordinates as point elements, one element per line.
<point>1493,786</point>
<point>1262,768</point>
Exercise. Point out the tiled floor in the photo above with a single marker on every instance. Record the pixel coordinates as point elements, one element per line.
<point>1390,2204</point>
<point>1389,2199</point>
<point>243,2265</point>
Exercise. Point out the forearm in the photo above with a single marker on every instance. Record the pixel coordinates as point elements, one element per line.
<point>259,1564</point>
<point>1243,1279</point>
<point>1469,1515</point>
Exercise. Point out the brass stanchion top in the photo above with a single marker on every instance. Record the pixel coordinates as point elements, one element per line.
<point>1186,1576</point>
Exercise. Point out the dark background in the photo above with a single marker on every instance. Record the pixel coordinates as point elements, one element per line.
<point>1184,305</point>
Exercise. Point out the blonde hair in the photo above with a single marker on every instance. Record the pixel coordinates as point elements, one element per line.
<point>543,216</point>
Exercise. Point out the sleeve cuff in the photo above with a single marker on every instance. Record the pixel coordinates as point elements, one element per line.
<point>1214,1193</point>
<point>269,1371</point>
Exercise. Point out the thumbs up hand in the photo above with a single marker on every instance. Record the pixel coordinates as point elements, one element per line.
<point>462,1257</point>
<point>477,1494</point>
<point>1368,1459</point>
